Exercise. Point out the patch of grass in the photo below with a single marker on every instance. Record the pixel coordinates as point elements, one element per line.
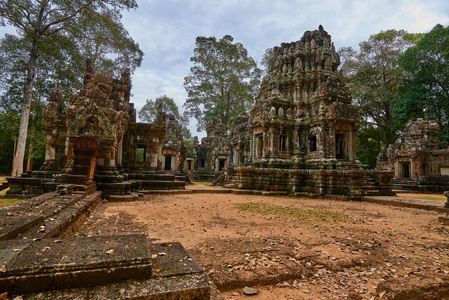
<point>302,215</point>
<point>201,182</point>
<point>4,202</point>
<point>438,198</point>
<point>3,192</point>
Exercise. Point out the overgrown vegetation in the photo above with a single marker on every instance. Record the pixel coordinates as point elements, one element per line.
<point>299,214</point>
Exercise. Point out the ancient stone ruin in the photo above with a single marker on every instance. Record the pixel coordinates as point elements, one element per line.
<point>418,159</point>
<point>95,150</point>
<point>208,160</point>
<point>96,143</point>
<point>302,128</point>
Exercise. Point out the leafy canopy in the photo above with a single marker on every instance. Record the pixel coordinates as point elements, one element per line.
<point>53,38</point>
<point>375,77</point>
<point>223,80</point>
<point>426,92</point>
<point>148,113</point>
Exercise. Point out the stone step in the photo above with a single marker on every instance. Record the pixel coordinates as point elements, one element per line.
<point>50,216</point>
<point>50,264</point>
<point>102,267</point>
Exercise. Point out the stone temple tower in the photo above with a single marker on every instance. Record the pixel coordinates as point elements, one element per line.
<point>303,125</point>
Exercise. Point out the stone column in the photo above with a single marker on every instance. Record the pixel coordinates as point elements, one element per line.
<point>119,155</point>
<point>332,141</point>
<point>350,147</point>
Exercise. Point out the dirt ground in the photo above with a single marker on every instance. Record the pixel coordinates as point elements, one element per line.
<point>294,248</point>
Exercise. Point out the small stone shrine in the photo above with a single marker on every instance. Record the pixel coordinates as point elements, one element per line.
<point>208,160</point>
<point>418,159</point>
<point>303,126</point>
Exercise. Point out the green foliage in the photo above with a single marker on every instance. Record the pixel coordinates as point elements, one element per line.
<point>267,60</point>
<point>223,80</point>
<point>375,78</point>
<point>9,126</point>
<point>368,144</point>
<point>148,113</point>
<point>9,202</point>
<point>52,41</point>
<point>426,92</point>
<point>139,154</point>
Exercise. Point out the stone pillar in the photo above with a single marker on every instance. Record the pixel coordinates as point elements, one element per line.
<point>350,147</point>
<point>253,147</point>
<point>119,156</point>
<point>274,139</point>
<point>332,141</point>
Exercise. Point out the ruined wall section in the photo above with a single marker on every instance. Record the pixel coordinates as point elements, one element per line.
<point>417,158</point>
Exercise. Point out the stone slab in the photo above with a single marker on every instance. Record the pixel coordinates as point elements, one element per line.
<point>174,274</point>
<point>51,264</point>
<point>183,286</point>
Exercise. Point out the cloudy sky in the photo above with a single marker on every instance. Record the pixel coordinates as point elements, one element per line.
<point>166,31</point>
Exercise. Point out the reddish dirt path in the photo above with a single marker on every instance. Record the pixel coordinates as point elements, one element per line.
<point>365,251</point>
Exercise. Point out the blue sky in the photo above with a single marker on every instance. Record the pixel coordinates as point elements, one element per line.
<point>166,31</point>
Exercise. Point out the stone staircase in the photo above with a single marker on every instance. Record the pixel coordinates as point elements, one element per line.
<point>36,261</point>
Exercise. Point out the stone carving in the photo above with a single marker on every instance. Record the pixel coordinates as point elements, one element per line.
<point>99,109</point>
<point>320,136</point>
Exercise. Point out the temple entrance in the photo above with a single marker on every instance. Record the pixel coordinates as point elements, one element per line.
<point>168,163</point>
<point>221,164</point>
<point>405,170</point>
<point>339,146</point>
<point>312,143</point>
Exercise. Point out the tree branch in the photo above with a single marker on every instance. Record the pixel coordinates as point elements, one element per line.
<point>68,17</point>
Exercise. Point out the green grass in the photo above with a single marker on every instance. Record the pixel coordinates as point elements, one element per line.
<point>202,182</point>
<point>9,202</point>
<point>3,192</point>
<point>301,215</point>
<point>439,198</point>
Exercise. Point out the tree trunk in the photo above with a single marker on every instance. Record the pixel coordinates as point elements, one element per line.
<point>30,158</point>
<point>17,167</point>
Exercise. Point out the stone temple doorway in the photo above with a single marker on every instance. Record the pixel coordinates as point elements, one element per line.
<point>405,170</point>
<point>168,160</point>
<point>221,164</point>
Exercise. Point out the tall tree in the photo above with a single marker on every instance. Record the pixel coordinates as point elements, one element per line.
<point>426,92</point>
<point>223,80</point>
<point>267,60</point>
<point>148,113</point>
<point>36,21</point>
<point>375,77</point>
